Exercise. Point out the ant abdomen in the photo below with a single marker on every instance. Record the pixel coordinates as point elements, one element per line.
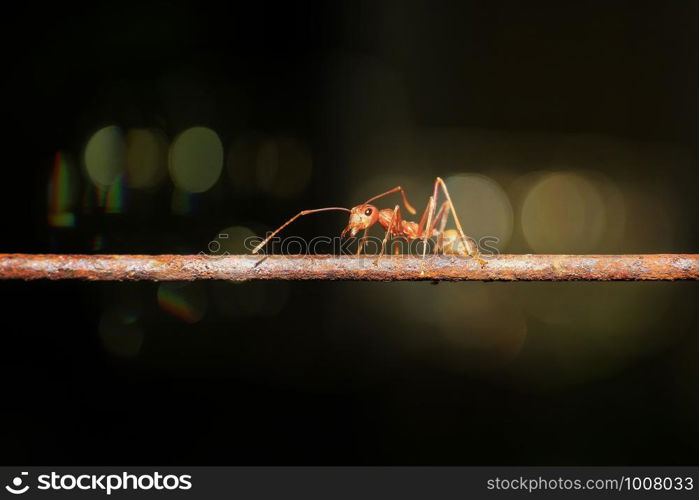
<point>454,245</point>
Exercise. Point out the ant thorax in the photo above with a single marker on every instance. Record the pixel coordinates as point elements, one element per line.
<point>407,229</point>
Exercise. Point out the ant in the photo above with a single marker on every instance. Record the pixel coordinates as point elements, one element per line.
<point>363,216</point>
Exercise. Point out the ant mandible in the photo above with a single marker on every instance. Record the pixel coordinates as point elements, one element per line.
<point>363,216</point>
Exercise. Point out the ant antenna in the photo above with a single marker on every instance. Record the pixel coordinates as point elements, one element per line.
<point>408,206</point>
<point>304,212</point>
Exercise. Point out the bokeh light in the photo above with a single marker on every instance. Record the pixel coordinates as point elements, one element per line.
<point>146,157</point>
<point>185,301</point>
<point>563,213</point>
<point>105,156</point>
<point>62,192</point>
<point>116,196</point>
<point>482,206</point>
<point>121,336</point>
<point>196,159</point>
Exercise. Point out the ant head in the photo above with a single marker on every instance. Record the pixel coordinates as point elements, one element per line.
<point>361,217</point>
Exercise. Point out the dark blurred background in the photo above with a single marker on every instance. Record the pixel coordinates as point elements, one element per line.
<point>158,127</point>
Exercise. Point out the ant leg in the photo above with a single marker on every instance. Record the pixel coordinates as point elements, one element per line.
<point>440,242</point>
<point>464,241</point>
<point>394,218</point>
<point>426,234</point>
<point>362,240</point>
<point>427,217</point>
<point>423,219</point>
<point>441,218</point>
<point>408,206</point>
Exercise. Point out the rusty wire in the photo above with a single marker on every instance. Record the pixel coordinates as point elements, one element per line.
<point>667,267</point>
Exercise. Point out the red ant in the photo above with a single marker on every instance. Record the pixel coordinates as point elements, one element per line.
<point>363,216</point>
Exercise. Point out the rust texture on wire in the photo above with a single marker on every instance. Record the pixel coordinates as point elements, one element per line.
<point>326,267</point>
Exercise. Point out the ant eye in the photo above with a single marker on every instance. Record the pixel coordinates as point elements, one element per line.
<point>368,212</point>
